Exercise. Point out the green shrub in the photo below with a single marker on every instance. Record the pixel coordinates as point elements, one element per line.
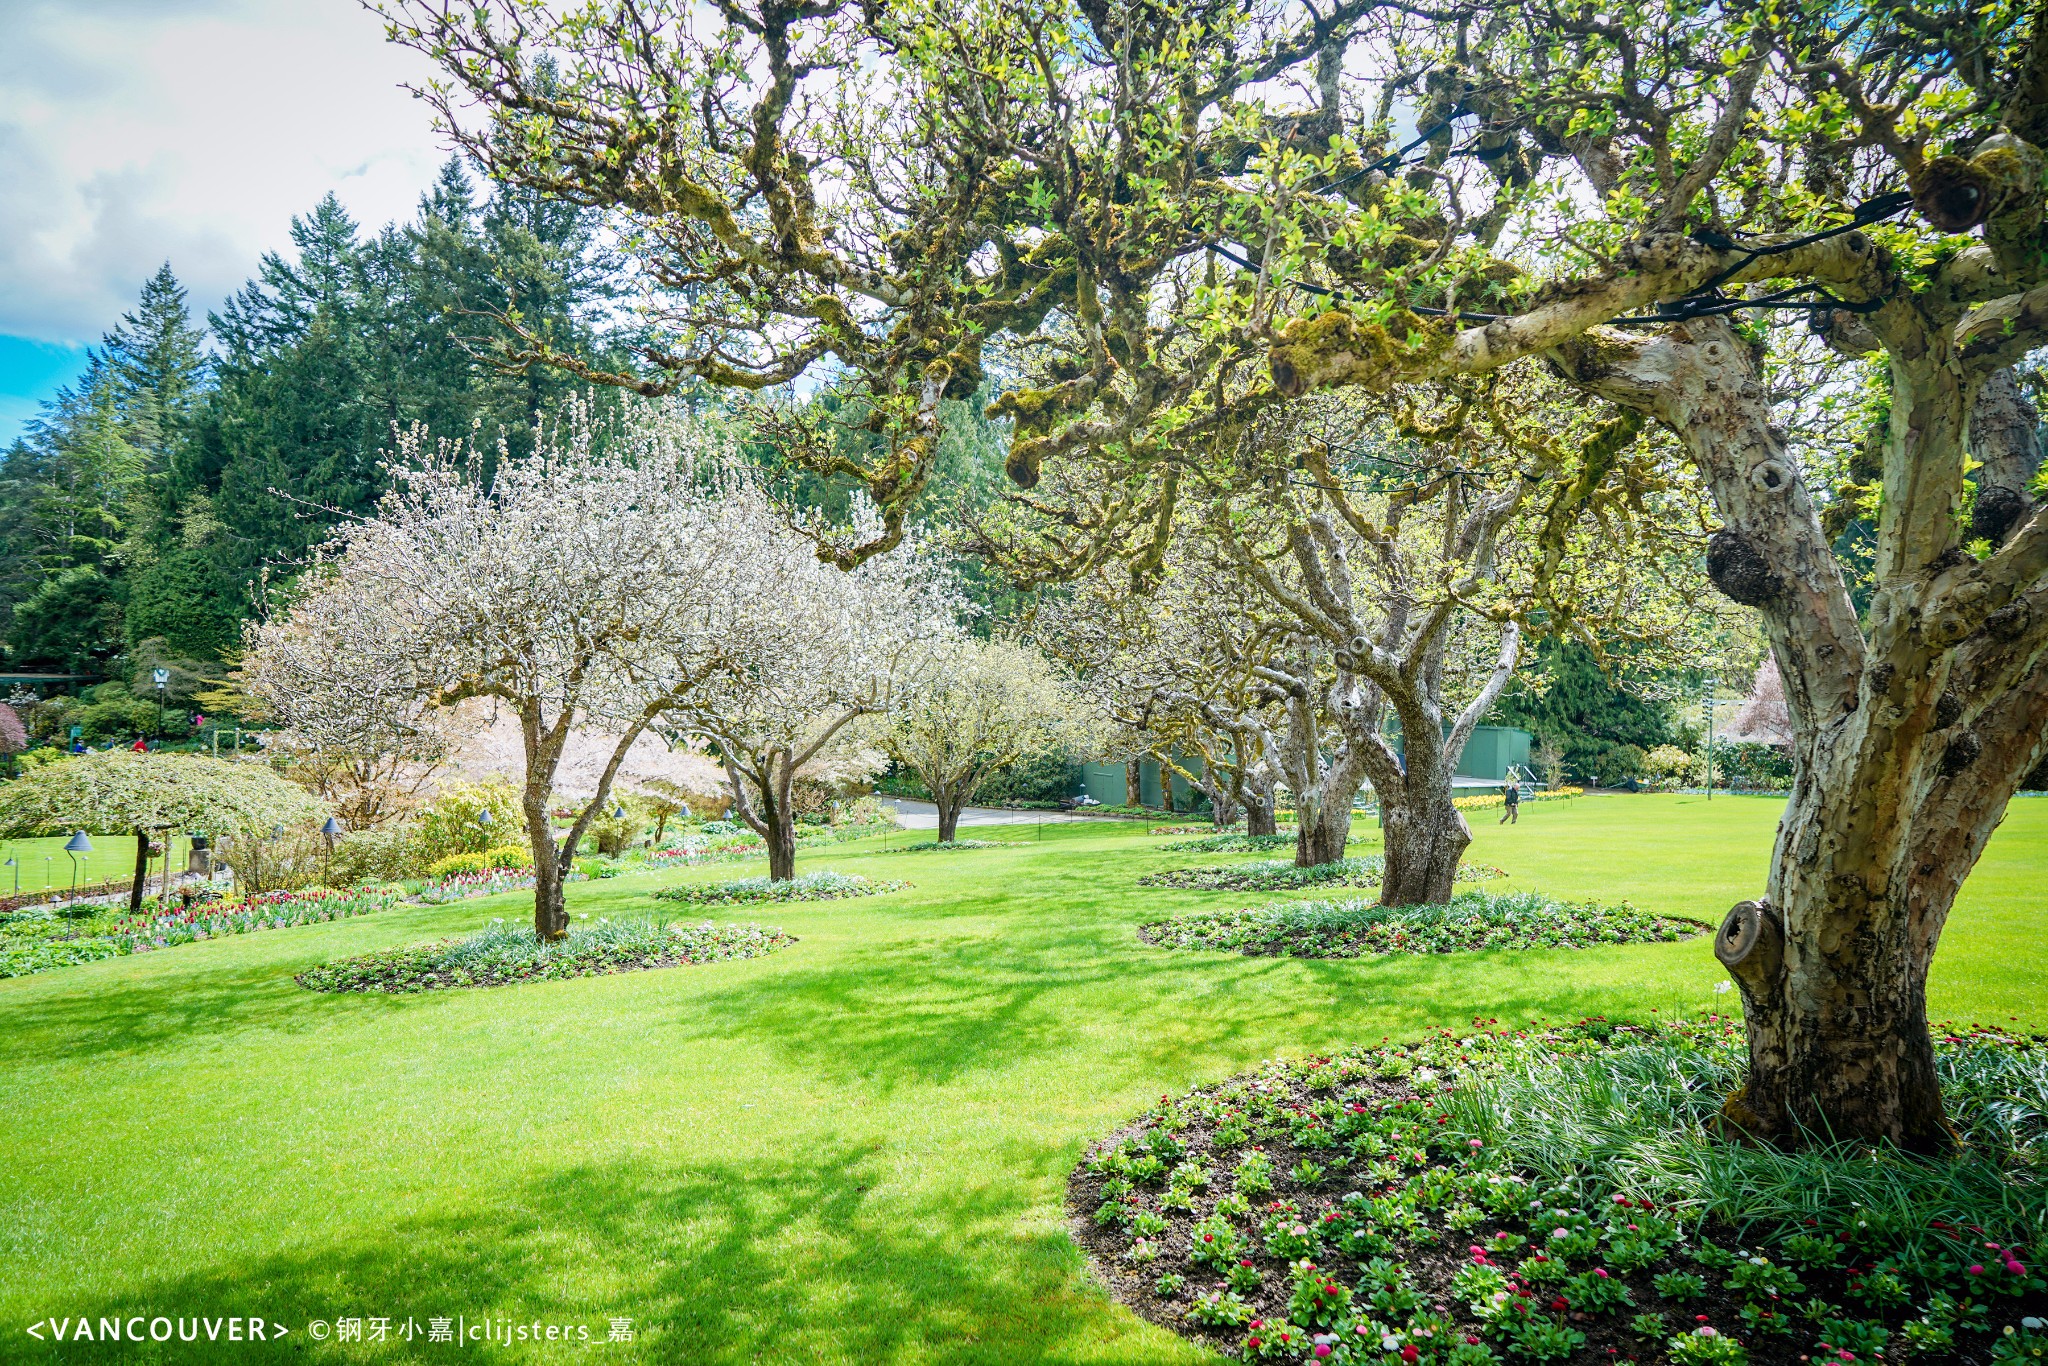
<point>450,823</point>
<point>388,855</point>
<point>483,860</point>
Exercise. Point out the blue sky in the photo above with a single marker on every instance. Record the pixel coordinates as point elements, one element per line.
<point>138,131</point>
<point>31,371</point>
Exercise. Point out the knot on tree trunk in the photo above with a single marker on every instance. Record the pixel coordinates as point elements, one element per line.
<point>1740,570</point>
<point>1962,751</point>
<point>1948,709</point>
<point>1996,509</point>
<point>2008,622</point>
<point>1751,944</point>
<point>1952,194</point>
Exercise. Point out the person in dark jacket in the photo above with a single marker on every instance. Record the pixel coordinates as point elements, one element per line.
<point>1511,793</point>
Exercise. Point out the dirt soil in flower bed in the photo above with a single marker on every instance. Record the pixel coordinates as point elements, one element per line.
<point>1380,1257</point>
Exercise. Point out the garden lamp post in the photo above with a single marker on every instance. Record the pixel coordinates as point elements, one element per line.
<point>79,843</point>
<point>330,830</point>
<point>15,864</point>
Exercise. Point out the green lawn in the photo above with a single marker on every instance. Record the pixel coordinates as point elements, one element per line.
<point>853,1150</point>
<point>43,862</point>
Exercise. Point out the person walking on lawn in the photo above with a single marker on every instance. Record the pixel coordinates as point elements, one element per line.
<point>1511,793</point>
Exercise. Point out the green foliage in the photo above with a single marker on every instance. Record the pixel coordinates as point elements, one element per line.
<point>452,823</point>
<point>499,856</point>
<point>120,791</point>
<point>1048,776</point>
<point>1604,728</point>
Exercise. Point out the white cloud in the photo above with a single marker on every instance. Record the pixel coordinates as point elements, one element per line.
<point>138,131</point>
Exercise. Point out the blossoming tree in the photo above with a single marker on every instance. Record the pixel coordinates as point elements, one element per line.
<point>579,588</point>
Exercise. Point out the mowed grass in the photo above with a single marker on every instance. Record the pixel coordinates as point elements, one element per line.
<point>42,863</point>
<point>852,1150</point>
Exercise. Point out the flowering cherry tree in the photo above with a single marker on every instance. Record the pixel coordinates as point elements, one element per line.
<point>581,587</point>
<point>807,650</point>
<point>986,704</point>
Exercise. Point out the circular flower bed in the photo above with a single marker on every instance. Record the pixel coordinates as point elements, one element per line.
<point>1231,844</point>
<point>501,954</point>
<point>1556,1197</point>
<point>1473,921</point>
<point>1273,875</point>
<point>819,886</point>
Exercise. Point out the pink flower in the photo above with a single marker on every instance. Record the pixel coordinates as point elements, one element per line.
<point>1322,1350</point>
<point>1601,1272</point>
<point>1476,1143</point>
<point>1976,1269</point>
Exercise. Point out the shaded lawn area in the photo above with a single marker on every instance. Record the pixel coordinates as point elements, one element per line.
<point>853,1150</point>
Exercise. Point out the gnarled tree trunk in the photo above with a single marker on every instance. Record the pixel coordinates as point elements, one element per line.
<point>1911,733</point>
<point>1425,839</point>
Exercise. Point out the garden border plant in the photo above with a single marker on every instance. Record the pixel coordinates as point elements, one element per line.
<point>1474,921</point>
<point>822,885</point>
<point>501,955</point>
<point>1556,1197</point>
<point>1276,875</point>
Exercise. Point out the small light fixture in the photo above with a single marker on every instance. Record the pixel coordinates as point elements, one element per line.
<point>79,843</point>
<point>483,817</point>
<point>332,828</point>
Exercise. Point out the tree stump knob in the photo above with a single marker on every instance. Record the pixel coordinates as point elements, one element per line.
<point>1749,943</point>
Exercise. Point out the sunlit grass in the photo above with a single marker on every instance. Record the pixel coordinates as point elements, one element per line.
<point>852,1150</point>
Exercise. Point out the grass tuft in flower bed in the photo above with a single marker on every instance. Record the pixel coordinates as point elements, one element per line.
<point>824,885</point>
<point>1473,921</point>
<point>1556,1198</point>
<point>1278,875</point>
<point>1231,844</point>
<point>501,954</point>
<point>923,846</point>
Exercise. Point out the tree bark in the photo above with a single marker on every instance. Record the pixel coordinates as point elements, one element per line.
<point>135,893</point>
<point>1426,836</point>
<point>781,838</point>
<point>1134,784</point>
<point>1260,817</point>
<point>949,818</point>
<point>1912,731</point>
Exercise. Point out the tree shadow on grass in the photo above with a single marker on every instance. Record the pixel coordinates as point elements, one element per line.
<point>926,1012</point>
<point>737,1262</point>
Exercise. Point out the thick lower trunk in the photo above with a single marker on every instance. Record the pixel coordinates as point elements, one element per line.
<point>1224,811</point>
<point>1834,985</point>
<point>949,821</point>
<point>781,838</point>
<point>1134,784</point>
<point>1423,842</point>
<point>550,909</point>
<point>1321,831</point>
<point>1260,817</point>
<point>141,872</point>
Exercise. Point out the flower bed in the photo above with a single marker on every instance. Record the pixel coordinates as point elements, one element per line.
<point>500,955</point>
<point>1274,875</point>
<point>32,942</point>
<point>924,845</point>
<point>1556,1198</point>
<point>468,886</point>
<point>1496,799</point>
<point>1231,843</point>
<point>824,885</point>
<point>1473,921</point>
